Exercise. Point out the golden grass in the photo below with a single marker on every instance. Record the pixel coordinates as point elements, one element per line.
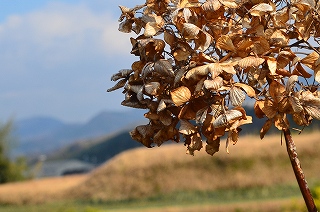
<point>146,172</point>
<point>39,190</point>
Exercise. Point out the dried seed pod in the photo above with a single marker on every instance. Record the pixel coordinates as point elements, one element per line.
<point>180,95</point>
<point>214,84</point>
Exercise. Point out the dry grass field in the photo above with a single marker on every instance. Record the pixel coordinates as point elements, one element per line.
<point>38,191</point>
<point>142,172</point>
<point>251,162</point>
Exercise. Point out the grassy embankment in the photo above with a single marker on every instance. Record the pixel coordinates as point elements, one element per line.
<point>256,175</point>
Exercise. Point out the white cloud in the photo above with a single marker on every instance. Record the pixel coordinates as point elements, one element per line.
<point>61,52</point>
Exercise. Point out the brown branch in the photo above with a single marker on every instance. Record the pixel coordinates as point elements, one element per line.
<point>295,162</point>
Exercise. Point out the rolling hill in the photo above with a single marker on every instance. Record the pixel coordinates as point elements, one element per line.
<point>41,135</point>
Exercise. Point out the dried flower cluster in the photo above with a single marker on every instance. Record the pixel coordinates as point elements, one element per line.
<point>198,60</point>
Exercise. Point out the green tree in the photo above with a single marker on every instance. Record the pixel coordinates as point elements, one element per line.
<point>9,171</point>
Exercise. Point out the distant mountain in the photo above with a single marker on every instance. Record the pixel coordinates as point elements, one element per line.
<point>98,150</point>
<point>40,135</point>
<point>37,126</point>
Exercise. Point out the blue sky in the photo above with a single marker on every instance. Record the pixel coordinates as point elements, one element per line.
<point>57,58</point>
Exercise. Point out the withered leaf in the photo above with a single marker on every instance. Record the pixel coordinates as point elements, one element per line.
<point>229,3</point>
<point>201,115</point>
<point>211,5</point>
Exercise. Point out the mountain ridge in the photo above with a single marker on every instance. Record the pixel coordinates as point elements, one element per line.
<point>40,135</point>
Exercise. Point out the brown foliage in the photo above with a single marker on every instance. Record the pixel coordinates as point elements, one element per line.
<point>198,60</point>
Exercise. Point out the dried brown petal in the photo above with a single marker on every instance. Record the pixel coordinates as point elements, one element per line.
<point>213,146</point>
<point>267,125</point>
<point>225,43</point>
<point>199,70</point>
<point>247,88</point>
<point>310,59</point>
<point>211,5</point>
<point>260,9</point>
<point>190,31</point>
<point>237,96</point>
<point>187,128</point>
<point>152,88</point>
<point>214,84</point>
<point>180,95</point>
<point>272,64</point>
<point>250,61</point>
<point>290,84</point>
<point>118,85</point>
<point>226,118</point>
<point>281,122</point>
<point>195,144</point>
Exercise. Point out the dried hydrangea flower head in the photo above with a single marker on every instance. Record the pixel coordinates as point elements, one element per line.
<point>199,60</point>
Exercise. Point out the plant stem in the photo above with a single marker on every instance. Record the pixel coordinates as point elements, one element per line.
<point>295,162</point>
